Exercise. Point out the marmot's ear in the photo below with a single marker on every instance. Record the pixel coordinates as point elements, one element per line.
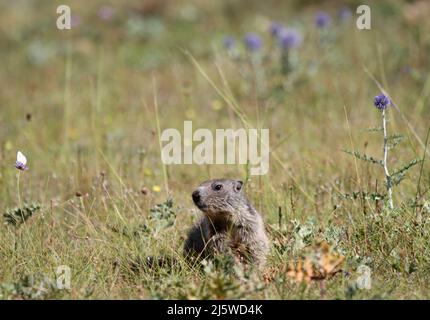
<point>238,185</point>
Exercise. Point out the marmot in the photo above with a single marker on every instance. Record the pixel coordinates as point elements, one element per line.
<point>230,224</point>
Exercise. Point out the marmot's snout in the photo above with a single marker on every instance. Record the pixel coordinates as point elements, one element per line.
<point>199,199</point>
<point>196,197</point>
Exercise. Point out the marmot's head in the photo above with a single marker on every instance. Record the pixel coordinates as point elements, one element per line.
<point>219,197</point>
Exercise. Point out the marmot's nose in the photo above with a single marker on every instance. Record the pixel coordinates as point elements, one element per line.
<point>196,196</point>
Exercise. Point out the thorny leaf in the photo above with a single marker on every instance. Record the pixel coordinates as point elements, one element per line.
<point>364,157</point>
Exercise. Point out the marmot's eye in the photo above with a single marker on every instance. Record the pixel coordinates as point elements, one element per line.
<point>218,187</point>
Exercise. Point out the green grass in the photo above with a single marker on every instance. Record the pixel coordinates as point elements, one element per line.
<point>81,105</point>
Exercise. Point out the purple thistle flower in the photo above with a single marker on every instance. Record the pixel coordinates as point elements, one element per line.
<point>322,19</point>
<point>229,42</point>
<point>276,28</point>
<point>344,14</point>
<point>290,38</point>
<point>106,13</point>
<point>75,20</point>
<point>253,42</point>
<point>382,102</point>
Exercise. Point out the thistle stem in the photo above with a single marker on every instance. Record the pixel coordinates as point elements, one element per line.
<point>285,61</point>
<point>260,79</point>
<point>387,173</point>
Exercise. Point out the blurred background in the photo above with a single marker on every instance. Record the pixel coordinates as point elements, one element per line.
<point>71,97</point>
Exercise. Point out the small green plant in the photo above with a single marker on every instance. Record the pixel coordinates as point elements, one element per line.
<point>223,280</point>
<point>162,215</point>
<point>303,233</point>
<point>33,286</point>
<point>17,216</point>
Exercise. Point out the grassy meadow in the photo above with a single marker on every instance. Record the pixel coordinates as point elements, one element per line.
<point>86,106</point>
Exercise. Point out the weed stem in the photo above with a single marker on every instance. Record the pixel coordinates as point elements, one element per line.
<point>17,187</point>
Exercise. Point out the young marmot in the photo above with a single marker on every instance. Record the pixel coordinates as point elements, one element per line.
<point>230,224</point>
